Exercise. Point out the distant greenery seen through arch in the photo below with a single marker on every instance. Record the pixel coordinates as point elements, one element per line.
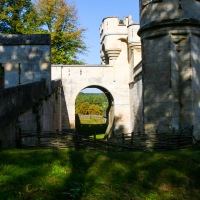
<point>91,114</point>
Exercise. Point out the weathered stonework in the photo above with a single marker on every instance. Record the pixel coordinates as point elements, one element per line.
<point>160,94</point>
<point>120,53</point>
<point>25,58</point>
<point>29,100</point>
<point>170,57</point>
<point>28,108</point>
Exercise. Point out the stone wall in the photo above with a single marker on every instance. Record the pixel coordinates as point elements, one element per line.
<point>25,58</point>
<point>30,109</point>
<point>136,100</point>
<point>170,53</point>
<point>107,78</point>
<point>120,53</point>
<point>195,82</point>
<point>156,82</point>
<point>171,79</point>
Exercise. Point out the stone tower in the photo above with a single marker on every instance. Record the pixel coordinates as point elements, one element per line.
<point>121,50</point>
<point>170,35</point>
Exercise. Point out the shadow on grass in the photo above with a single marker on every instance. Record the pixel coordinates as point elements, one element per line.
<point>89,130</point>
<point>69,174</point>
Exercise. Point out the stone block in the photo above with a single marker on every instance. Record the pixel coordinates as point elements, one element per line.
<point>187,113</point>
<point>197,108</point>
<point>186,57</point>
<point>185,66</point>
<point>176,113</point>
<point>150,67</point>
<point>186,47</point>
<point>196,95</point>
<point>186,75</point>
<point>163,56</point>
<point>194,47</point>
<point>186,93</point>
<point>194,39</point>
<point>146,48</point>
<point>161,87</point>
<point>150,77</point>
<point>33,54</point>
<point>163,66</point>
<point>151,108</point>
<point>187,105</point>
<point>149,58</point>
<point>148,127</point>
<point>32,39</point>
<point>158,47</point>
<point>195,56</point>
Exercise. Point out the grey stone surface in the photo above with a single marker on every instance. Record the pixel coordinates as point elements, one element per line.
<point>25,58</point>
<point>29,108</point>
<point>37,39</point>
<point>171,82</point>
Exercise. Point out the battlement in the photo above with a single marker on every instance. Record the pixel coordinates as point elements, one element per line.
<point>113,25</point>
<point>167,12</point>
<point>114,33</point>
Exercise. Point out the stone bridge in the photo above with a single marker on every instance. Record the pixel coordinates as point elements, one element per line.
<point>111,80</point>
<point>120,54</point>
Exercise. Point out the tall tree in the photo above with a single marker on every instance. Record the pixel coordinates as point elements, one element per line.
<point>60,20</point>
<point>18,17</point>
<point>56,17</point>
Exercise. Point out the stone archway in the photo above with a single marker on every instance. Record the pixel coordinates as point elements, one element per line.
<point>108,79</point>
<point>109,111</point>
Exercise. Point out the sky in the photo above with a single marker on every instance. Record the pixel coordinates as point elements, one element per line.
<point>92,12</point>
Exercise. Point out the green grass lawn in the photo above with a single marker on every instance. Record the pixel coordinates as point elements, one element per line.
<point>68,174</point>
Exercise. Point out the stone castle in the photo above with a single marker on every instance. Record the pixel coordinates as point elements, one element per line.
<point>150,74</point>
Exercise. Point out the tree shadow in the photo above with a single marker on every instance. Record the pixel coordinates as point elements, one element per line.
<point>69,174</point>
<point>90,130</point>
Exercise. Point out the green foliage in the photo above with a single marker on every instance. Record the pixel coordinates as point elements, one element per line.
<point>89,109</point>
<point>18,17</point>
<point>70,174</point>
<point>91,104</point>
<point>83,108</point>
<point>60,20</point>
<point>55,17</point>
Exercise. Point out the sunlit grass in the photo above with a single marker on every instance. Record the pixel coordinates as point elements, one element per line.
<point>92,120</point>
<point>70,174</point>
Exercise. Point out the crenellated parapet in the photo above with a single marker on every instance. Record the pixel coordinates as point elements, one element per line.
<point>112,32</point>
<point>112,25</point>
<point>117,36</point>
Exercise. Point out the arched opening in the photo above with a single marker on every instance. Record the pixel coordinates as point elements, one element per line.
<point>94,112</point>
